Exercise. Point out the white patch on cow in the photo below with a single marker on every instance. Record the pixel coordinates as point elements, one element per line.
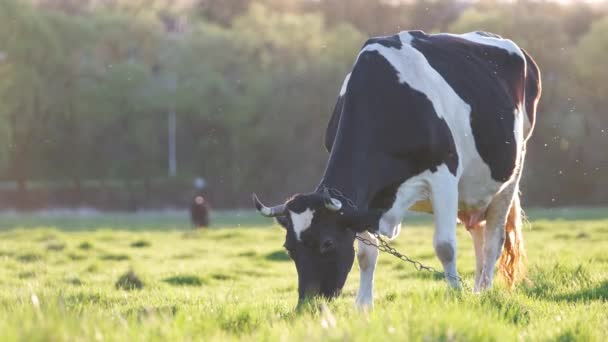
<point>413,68</point>
<point>477,234</point>
<point>444,196</point>
<point>527,124</point>
<point>409,192</point>
<point>301,221</point>
<point>344,85</point>
<point>518,131</point>
<point>505,44</point>
<point>476,186</point>
<point>440,187</point>
<point>472,188</point>
<point>495,231</point>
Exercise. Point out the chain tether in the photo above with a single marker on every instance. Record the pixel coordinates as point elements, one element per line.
<point>339,193</point>
<point>385,247</point>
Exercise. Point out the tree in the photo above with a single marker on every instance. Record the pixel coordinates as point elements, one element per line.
<point>31,49</point>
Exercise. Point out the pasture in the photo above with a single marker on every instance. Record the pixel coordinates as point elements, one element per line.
<point>58,281</point>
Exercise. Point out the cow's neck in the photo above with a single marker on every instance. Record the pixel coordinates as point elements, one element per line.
<point>347,187</point>
<point>370,184</point>
<point>357,166</point>
<point>350,171</point>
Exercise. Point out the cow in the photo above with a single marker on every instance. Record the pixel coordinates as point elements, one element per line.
<point>434,123</point>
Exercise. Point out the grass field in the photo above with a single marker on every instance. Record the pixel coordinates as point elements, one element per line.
<point>58,278</point>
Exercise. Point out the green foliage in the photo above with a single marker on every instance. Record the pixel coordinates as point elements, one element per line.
<point>591,52</point>
<point>569,120</point>
<point>85,88</point>
<point>228,289</point>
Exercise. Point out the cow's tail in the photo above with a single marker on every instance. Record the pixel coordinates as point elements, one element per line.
<point>512,264</point>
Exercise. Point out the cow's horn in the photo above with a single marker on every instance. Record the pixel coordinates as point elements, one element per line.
<point>330,202</point>
<point>275,211</point>
<point>333,204</point>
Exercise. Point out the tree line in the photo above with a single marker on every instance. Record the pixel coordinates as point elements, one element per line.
<point>86,88</point>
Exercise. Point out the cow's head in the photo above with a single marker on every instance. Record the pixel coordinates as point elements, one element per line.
<point>317,240</point>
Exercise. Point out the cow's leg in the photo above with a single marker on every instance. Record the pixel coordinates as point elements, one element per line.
<point>477,233</point>
<point>408,193</point>
<point>496,218</point>
<point>366,256</point>
<point>444,196</point>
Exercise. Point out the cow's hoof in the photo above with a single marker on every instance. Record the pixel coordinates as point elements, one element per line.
<point>364,304</point>
<point>454,285</point>
<point>484,284</point>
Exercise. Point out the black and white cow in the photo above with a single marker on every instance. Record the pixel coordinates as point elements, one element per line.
<point>435,123</point>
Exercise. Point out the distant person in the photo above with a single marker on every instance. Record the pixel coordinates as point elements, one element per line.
<point>199,208</point>
<point>199,212</point>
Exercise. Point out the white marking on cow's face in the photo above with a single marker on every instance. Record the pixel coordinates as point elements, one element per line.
<point>344,85</point>
<point>301,221</point>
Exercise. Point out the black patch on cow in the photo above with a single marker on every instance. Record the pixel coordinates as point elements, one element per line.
<point>283,221</point>
<point>417,33</point>
<point>445,252</point>
<point>385,197</point>
<point>389,41</point>
<point>332,125</point>
<point>393,41</point>
<point>491,81</point>
<point>387,133</point>
<point>299,203</point>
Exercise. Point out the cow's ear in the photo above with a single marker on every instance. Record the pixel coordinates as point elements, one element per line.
<point>283,221</point>
<point>361,221</point>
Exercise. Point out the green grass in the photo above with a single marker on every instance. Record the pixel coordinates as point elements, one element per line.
<point>65,278</point>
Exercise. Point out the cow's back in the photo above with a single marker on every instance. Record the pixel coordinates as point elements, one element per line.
<point>488,74</point>
<point>476,87</point>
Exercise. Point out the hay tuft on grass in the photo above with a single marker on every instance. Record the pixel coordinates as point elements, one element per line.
<point>140,244</point>
<point>129,281</point>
